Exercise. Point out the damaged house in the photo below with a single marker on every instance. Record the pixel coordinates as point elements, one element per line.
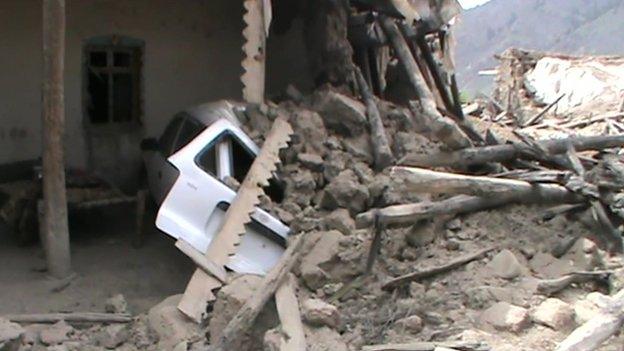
<point>325,186</point>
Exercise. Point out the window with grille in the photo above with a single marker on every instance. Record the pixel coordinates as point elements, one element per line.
<point>113,81</point>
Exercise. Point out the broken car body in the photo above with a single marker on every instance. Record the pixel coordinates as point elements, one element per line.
<point>194,204</point>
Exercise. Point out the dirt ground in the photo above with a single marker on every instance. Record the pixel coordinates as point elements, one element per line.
<point>105,264</point>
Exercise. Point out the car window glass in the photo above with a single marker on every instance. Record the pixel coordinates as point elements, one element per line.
<point>165,142</point>
<point>207,159</point>
<point>242,159</point>
<point>190,129</point>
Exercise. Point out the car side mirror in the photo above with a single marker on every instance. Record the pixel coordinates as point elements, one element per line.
<point>149,144</point>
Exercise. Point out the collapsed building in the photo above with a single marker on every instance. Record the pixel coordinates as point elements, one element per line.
<point>391,248</point>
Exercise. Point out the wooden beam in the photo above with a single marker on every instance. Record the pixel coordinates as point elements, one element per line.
<point>443,128</point>
<point>507,152</point>
<point>73,317</point>
<point>55,228</point>
<point>381,146</point>
<point>403,215</point>
<point>597,330</point>
<point>290,316</point>
<point>433,271</point>
<point>247,314</point>
<point>432,182</point>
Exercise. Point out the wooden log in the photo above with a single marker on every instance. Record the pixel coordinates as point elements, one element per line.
<point>202,261</point>
<point>611,235</point>
<point>75,317</point>
<point>597,330</point>
<point>443,128</point>
<point>426,181</point>
<point>502,153</point>
<point>428,346</point>
<point>430,272</point>
<point>381,147</point>
<point>435,71</point>
<point>290,316</point>
<point>55,225</point>
<point>552,286</point>
<point>247,314</point>
<point>450,98</point>
<point>401,215</point>
<point>535,118</point>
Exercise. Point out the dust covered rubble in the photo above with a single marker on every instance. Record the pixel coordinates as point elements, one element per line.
<point>328,180</point>
<point>322,199</point>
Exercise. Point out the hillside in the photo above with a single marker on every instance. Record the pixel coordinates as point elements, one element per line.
<point>568,26</point>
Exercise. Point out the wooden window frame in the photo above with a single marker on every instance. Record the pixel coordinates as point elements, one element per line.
<point>111,45</point>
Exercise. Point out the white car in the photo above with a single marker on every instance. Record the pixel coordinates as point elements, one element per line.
<point>185,171</point>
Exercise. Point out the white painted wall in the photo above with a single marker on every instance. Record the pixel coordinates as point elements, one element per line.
<point>192,55</point>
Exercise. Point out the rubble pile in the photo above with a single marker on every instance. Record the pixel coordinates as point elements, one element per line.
<point>554,95</point>
<point>493,300</point>
<point>480,236</point>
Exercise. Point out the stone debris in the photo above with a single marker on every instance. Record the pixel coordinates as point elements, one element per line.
<point>313,162</point>
<point>505,316</point>
<point>169,324</point>
<point>116,304</point>
<point>345,191</point>
<point>340,113</point>
<point>57,334</point>
<point>321,257</point>
<point>555,314</point>
<point>112,336</point>
<point>319,313</point>
<point>340,220</point>
<point>324,339</point>
<point>229,300</point>
<point>412,324</point>
<point>421,234</point>
<point>506,265</point>
<point>594,304</point>
<point>10,334</point>
<point>329,182</point>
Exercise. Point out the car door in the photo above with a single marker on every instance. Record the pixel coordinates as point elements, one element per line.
<point>195,207</point>
<point>160,173</point>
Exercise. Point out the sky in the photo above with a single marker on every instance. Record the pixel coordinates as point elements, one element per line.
<point>472,3</point>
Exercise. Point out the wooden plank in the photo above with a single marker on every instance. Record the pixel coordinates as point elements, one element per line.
<point>444,128</point>
<point>75,317</point>
<point>427,181</point>
<point>407,214</point>
<point>225,243</point>
<point>381,146</point>
<point>507,152</point>
<point>202,261</point>
<point>55,227</point>
<point>430,272</point>
<point>428,346</point>
<point>597,330</point>
<point>247,314</point>
<point>290,316</point>
<point>254,48</point>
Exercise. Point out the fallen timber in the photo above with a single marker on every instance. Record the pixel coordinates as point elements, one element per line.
<point>381,147</point>
<point>444,128</point>
<point>407,214</point>
<point>502,153</point>
<point>246,315</point>
<point>597,330</point>
<point>430,272</point>
<point>74,317</point>
<point>427,181</point>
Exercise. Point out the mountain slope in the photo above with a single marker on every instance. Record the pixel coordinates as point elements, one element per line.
<point>568,26</point>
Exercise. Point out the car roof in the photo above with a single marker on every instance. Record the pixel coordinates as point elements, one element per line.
<point>208,113</point>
